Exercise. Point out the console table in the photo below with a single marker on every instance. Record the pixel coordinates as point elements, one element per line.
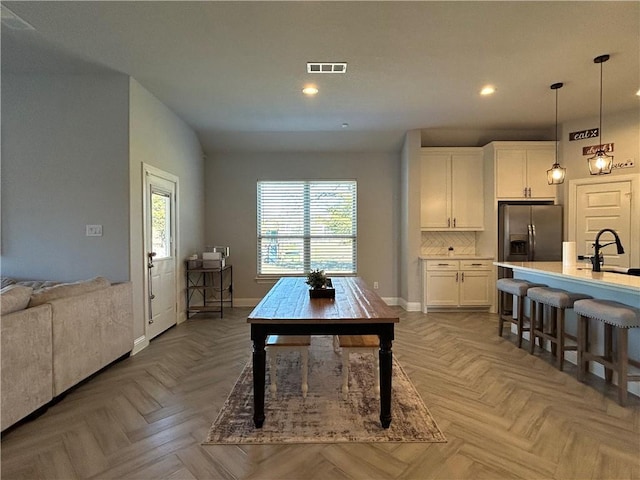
<point>212,287</point>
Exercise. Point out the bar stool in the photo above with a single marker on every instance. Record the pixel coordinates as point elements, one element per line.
<point>618,318</point>
<point>283,343</point>
<point>558,301</point>
<point>357,343</point>
<point>517,288</point>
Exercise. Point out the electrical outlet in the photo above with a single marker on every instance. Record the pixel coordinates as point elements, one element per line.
<point>375,285</point>
<point>94,231</point>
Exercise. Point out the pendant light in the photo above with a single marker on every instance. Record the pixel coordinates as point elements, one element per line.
<point>556,174</point>
<point>600,163</point>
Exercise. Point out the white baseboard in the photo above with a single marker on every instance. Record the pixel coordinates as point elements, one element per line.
<point>409,306</point>
<point>139,344</point>
<point>246,302</point>
<point>391,301</point>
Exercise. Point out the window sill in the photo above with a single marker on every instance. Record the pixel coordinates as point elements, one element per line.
<point>274,278</point>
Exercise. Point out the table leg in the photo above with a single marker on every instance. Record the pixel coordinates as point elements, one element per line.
<point>386,359</point>
<point>259,371</point>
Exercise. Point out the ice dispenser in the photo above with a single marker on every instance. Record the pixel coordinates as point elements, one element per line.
<point>517,247</point>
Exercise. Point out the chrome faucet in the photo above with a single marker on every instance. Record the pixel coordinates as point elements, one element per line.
<point>595,260</point>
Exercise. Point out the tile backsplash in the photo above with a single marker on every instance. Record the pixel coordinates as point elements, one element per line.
<point>438,243</point>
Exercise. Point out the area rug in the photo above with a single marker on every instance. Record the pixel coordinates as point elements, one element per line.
<point>323,416</point>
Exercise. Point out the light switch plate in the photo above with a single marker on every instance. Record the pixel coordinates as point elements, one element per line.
<point>94,230</point>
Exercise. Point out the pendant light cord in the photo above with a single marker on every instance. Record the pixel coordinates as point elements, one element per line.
<point>556,125</point>
<point>600,124</point>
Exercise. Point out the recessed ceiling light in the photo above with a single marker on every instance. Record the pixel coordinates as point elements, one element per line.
<point>310,91</point>
<point>345,125</point>
<point>638,93</point>
<point>488,90</point>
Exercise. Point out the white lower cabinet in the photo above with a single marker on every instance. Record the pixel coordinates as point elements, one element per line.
<point>457,284</point>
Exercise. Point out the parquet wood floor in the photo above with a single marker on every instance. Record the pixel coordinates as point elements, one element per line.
<point>506,414</point>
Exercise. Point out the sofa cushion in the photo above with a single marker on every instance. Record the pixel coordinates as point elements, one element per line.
<point>14,298</point>
<point>62,290</point>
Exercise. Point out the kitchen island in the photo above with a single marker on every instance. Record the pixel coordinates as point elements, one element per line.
<point>580,279</point>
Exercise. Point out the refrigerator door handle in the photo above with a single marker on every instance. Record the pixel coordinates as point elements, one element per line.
<point>533,242</point>
<point>529,243</point>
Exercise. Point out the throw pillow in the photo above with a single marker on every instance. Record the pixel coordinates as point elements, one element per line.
<point>6,281</point>
<point>14,298</point>
<point>62,290</point>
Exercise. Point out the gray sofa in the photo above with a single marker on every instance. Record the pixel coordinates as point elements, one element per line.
<point>62,334</point>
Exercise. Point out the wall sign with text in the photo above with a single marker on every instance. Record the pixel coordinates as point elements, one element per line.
<point>608,148</point>
<point>584,134</point>
<point>592,149</point>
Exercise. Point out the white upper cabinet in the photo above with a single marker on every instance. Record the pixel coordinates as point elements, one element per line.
<point>452,189</point>
<point>521,170</point>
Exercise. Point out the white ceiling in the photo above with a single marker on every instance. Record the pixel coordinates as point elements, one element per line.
<point>234,70</point>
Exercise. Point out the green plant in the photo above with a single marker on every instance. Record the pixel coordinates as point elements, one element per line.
<point>316,279</point>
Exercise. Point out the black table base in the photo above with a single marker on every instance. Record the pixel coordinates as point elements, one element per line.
<point>260,331</point>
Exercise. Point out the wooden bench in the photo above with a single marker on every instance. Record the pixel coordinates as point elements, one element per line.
<point>356,343</point>
<point>285,343</point>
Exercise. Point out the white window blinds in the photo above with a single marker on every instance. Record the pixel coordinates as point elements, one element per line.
<point>304,225</point>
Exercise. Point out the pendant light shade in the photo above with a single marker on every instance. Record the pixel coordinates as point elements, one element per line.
<point>600,163</point>
<point>556,174</point>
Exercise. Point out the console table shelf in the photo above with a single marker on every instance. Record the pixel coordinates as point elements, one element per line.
<point>208,289</point>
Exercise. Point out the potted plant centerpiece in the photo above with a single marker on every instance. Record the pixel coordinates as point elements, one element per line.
<point>319,285</point>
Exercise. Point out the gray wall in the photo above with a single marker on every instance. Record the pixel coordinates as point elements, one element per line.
<point>231,209</point>
<point>410,282</point>
<point>620,128</point>
<point>65,164</point>
<point>159,138</point>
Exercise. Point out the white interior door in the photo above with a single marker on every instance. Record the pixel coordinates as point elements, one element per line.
<point>604,205</point>
<point>161,281</point>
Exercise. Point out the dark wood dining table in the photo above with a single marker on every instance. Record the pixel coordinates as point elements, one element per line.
<point>287,309</point>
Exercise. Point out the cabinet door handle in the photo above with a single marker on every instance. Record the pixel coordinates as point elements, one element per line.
<point>454,222</point>
<point>443,264</point>
<point>448,222</point>
<point>463,276</point>
<point>456,277</point>
<point>525,192</point>
<point>529,192</point>
<point>476,264</point>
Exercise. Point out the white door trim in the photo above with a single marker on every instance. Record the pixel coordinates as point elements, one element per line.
<point>151,170</point>
<point>634,257</point>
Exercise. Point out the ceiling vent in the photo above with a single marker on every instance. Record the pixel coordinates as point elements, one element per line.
<point>13,21</point>
<point>326,67</point>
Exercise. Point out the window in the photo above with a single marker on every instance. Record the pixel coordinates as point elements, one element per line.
<point>161,224</point>
<point>304,225</point>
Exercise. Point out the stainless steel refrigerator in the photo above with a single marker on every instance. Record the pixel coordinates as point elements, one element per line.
<point>528,233</point>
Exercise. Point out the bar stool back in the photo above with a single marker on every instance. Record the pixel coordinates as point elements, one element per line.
<point>618,318</point>
<point>558,301</point>
<point>517,288</point>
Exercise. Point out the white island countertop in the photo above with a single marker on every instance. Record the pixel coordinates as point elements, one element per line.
<point>444,256</point>
<point>578,273</point>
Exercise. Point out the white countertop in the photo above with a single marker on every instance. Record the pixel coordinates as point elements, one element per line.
<point>455,257</point>
<point>578,272</point>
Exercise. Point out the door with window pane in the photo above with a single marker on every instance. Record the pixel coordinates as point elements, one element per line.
<point>306,225</point>
<point>160,216</point>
